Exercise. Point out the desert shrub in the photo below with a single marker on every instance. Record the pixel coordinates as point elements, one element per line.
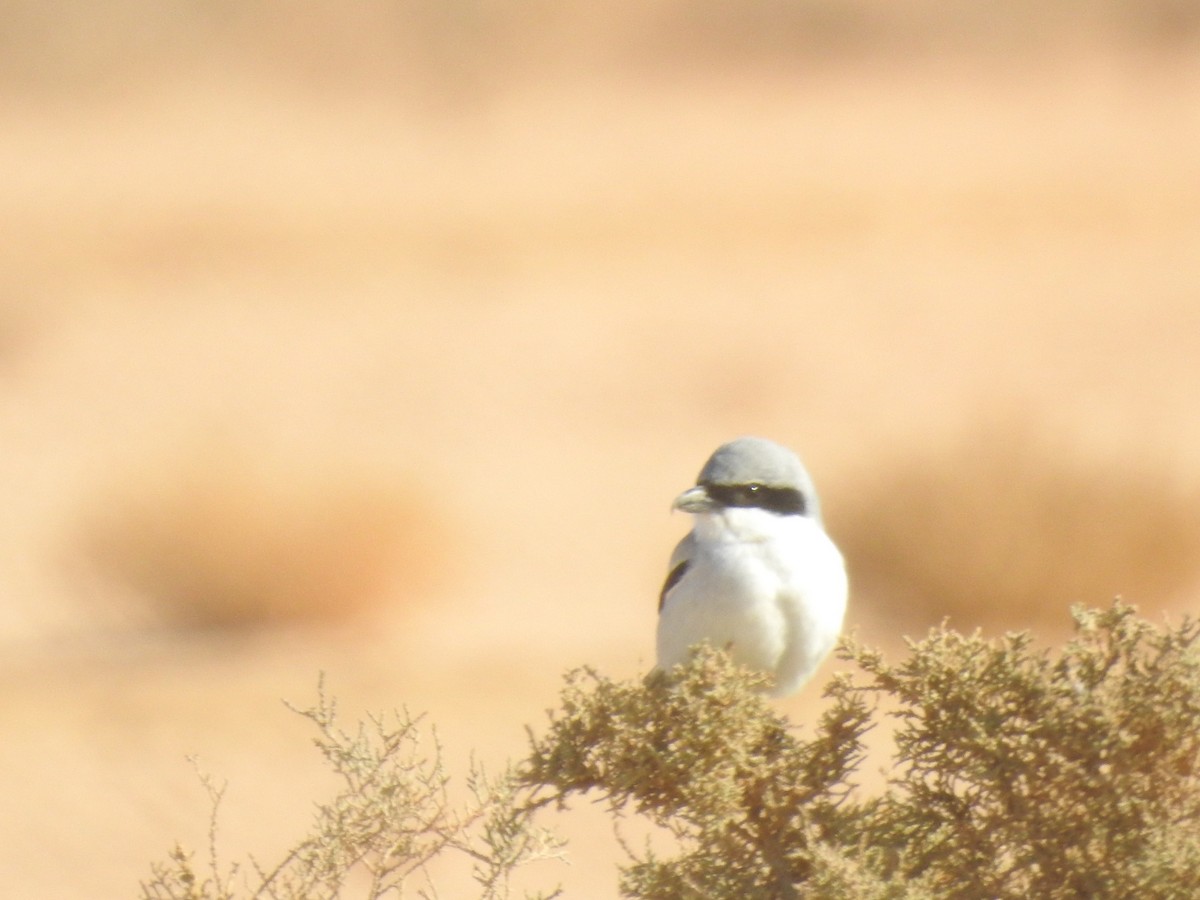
<point>392,816</point>
<point>218,538</point>
<point>1016,772</point>
<point>1015,527</point>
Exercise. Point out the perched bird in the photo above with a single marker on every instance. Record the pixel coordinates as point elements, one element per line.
<point>757,574</point>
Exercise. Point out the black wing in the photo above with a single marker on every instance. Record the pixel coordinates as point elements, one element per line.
<point>672,580</point>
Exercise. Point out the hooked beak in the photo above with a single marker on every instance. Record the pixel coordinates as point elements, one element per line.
<point>694,500</point>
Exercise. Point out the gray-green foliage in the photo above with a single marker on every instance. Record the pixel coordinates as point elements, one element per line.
<point>1016,773</point>
<point>704,756</point>
<point>1065,775</point>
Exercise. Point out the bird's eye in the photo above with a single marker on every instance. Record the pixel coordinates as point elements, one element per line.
<point>754,488</point>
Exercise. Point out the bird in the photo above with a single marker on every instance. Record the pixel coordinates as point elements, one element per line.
<point>757,574</point>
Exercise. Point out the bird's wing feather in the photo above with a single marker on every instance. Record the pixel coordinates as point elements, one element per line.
<point>680,560</point>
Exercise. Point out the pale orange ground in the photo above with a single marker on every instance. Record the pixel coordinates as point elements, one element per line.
<point>522,316</point>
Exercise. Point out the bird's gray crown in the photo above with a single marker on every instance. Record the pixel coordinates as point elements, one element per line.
<point>755,460</point>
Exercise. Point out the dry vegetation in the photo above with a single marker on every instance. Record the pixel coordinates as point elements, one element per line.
<point>222,540</point>
<point>392,816</point>
<point>1003,523</point>
<point>1015,773</point>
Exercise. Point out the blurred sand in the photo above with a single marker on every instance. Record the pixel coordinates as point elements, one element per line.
<point>517,276</point>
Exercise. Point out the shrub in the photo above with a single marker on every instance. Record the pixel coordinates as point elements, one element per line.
<point>390,819</point>
<point>221,539</point>
<point>1016,773</point>
<point>1049,527</point>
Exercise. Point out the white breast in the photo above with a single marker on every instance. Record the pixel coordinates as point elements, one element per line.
<point>771,589</point>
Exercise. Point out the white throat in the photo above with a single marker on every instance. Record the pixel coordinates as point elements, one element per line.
<point>746,524</point>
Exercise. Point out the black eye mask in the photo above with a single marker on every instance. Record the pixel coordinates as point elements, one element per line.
<point>780,500</point>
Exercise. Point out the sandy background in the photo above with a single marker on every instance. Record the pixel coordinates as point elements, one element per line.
<point>377,342</point>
